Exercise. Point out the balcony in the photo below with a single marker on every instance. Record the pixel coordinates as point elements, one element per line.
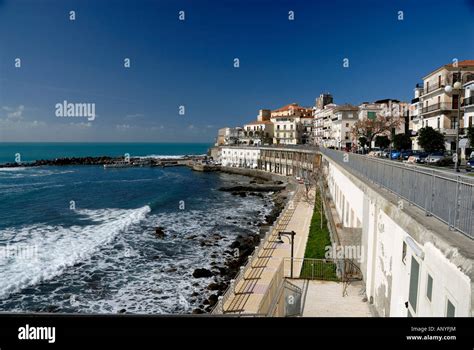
<point>448,132</point>
<point>468,101</point>
<point>435,86</point>
<point>442,106</point>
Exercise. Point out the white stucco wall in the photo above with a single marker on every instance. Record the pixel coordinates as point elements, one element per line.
<point>386,275</point>
<point>349,198</point>
<point>240,157</point>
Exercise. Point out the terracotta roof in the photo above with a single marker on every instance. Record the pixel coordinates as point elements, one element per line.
<point>288,107</point>
<point>464,63</point>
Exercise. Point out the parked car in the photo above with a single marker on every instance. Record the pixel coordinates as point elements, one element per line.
<point>440,158</point>
<point>395,154</point>
<point>385,153</point>
<point>417,157</point>
<point>375,152</point>
<point>406,154</point>
<point>470,164</point>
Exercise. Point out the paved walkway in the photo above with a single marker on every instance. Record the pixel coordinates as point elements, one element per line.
<point>249,291</point>
<point>324,299</point>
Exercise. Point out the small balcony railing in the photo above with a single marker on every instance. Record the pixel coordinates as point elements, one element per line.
<point>468,101</point>
<point>442,106</point>
<point>432,86</point>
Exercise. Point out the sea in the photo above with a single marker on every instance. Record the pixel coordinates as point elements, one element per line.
<point>81,239</point>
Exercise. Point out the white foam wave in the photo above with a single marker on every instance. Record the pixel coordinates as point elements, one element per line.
<point>51,249</point>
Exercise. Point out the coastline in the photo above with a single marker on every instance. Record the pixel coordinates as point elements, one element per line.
<point>222,275</point>
<point>225,266</point>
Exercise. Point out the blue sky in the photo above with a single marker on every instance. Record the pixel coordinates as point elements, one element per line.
<point>190,62</point>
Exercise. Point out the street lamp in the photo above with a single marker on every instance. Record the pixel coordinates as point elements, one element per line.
<point>457,86</point>
<point>292,235</point>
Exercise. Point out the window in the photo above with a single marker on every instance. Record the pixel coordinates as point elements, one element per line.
<point>371,115</point>
<point>429,287</point>
<point>347,125</point>
<point>404,252</point>
<point>450,309</point>
<point>413,292</point>
<point>438,122</point>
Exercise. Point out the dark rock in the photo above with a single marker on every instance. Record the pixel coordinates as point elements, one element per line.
<point>198,311</point>
<point>159,232</point>
<point>212,299</point>
<point>202,273</point>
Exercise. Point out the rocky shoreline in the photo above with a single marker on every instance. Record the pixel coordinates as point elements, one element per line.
<point>237,253</point>
<point>101,160</point>
<point>222,269</point>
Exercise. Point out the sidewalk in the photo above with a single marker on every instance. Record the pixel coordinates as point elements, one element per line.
<point>324,299</point>
<point>250,290</point>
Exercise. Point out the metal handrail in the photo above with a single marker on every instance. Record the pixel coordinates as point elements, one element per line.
<point>439,192</point>
<point>230,290</point>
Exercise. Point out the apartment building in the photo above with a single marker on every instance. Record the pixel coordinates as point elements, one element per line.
<point>259,131</point>
<point>229,136</point>
<point>322,124</point>
<point>242,157</point>
<point>286,123</point>
<point>468,110</point>
<point>306,130</point>
<point>387,108</point>
<point>439,107</point>
<point>416,108</point>
<point>343,119</point>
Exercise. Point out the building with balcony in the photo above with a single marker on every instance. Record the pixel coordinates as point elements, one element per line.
<point>468,110</point>
<point>322,124</point>
<point>440,108</point>
<point>287,123</point>
<point>387,108</point>
<point>306,130</point>
<point>242,157</point>
<point>260,131</point>
<point>229,136</point>
<point>415,115</point>
<point>343,119</point>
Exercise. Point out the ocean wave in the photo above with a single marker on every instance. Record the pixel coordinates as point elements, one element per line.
<point>165,156</point>
<point>42,252</point>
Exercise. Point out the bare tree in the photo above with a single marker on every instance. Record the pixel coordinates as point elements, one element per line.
<point>370,128</point>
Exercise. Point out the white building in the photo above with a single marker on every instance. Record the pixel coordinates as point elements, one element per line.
<point>322,124</point>
<point>287,123</point>
<point>229,136</point>
<point>440,108</point>
<point>468,108</point>
<point>416,108</point>
<point>242,157</point>
<point>343,119</point>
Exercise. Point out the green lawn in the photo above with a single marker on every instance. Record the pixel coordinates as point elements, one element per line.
<point>318,240</point>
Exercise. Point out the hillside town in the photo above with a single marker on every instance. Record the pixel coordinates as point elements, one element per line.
<point>406,130</point>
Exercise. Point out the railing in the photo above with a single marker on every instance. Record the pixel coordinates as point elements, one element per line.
<point>443,106</point>
<point>448,197</point>
<point>230,291</point>
<point>468,101</point>
<point>317,269</point>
